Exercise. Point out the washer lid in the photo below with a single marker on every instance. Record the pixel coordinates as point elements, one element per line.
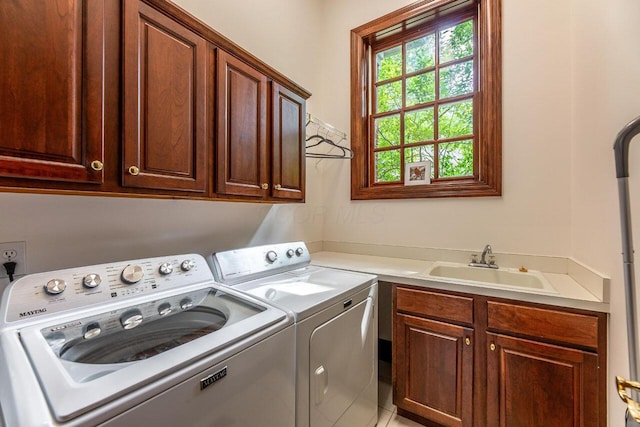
<point>307,290</point>
<point>79,374</point>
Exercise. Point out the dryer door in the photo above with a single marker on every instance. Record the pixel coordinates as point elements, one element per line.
<point>343,369</point>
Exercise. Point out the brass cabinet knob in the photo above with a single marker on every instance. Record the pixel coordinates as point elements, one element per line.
<point>133,170</point>
<point>265,186</point>
<point>492,347</point>
<point>97,165</point>
<point>277,186</point>
<point>467,341</point>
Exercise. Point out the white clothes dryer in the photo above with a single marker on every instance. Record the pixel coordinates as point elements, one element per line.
<point>336,328</point>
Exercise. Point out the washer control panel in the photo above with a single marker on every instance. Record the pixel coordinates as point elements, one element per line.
<point>41,294</point>
<point>231,267</point>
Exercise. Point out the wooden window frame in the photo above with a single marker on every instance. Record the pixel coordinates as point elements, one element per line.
<point>400,25</point>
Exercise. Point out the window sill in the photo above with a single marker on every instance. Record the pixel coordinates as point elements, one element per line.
<point>457,189</point>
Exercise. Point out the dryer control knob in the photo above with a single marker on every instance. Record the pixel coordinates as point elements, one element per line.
<point>290,253</point>
<point>91,280</point>
<point>132,274</point>
<point>272,256</point>
<point>299,251</point>
<point>164,309</point>
<point>91,331</point>
<point>187,265</point>
<point>186,304</point>
<point>55,286</point>
<point>165,268</point>
<point>131,319</point>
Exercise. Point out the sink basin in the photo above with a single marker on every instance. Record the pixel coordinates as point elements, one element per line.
<point>501,277</point>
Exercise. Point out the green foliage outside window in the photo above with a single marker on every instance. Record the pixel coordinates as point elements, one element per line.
<point>418,124</point>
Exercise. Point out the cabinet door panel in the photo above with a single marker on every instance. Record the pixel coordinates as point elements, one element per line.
<point>242,162</point>
<point>51,68</point>
<point>433,370</point>
<point>164,102</point>
<point>288,175</point>
<point>535,384</point>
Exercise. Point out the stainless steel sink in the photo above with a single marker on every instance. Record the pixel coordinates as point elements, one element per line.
<point>502,277</point>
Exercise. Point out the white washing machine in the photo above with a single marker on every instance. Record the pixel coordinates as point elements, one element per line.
<point>146,342</point>
<point>336,328</point>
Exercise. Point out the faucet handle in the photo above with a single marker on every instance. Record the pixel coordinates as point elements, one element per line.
<point>474,258</point>
<point>492,260</point>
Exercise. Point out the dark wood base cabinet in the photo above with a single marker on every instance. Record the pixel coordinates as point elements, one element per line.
<point>139,98</point>
<point>468,360</point>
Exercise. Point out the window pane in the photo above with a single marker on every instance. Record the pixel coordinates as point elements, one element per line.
<point>456,42</point>
<point>455,119</point>
<point>421,89</point>
<point>418,126</point>
<point>456,79</point>
<point>420,154</point>
<point>389,97</point>
<point>389,63</point>
<point>456,159</point>
<point>421,53</point>
<point>387,131</point>
<point>388,166</point>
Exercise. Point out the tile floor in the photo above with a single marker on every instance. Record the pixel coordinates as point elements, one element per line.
<point>387,412</point>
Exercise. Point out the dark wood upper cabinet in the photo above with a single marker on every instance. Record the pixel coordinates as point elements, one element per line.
<point>140,98</point>
<point>164,118</point>
<point>288,153</point>
<point>241,147</point>
<point>51,95</point>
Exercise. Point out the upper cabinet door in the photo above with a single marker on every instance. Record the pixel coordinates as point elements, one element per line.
<point>164,118</point>
<point>242,156</point>
<point>288,128</point>
<point>51,68</point>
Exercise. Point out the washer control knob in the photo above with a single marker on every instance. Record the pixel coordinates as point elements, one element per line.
<point>91,280</point>
<point>299,251</point>
<point>55,286</point>
<point>132,274</point>
<point>164,309</point>
<point>91,331</point>
<point>186,304</point>
<point>272,256</point>
<point>187,265</point>
<point>131,319</point>
<point>165,268</point>
<point>290,253</point>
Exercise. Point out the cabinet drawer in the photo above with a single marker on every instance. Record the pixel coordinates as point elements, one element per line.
<point>570,328</point>
<point>454,308</point>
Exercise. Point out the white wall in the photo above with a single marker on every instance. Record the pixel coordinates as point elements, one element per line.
<point>532,217</point>
<point>606,95</point>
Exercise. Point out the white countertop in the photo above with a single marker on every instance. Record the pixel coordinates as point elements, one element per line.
<point>570,293</point>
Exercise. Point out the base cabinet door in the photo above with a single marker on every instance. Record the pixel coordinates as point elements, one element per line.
<point>433,370</point>
<point>51,70</point>
<point>165,66</point>
<point>531,384</point>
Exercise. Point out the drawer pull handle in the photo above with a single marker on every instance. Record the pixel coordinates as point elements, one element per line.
<point>265,186</point>
<point>133,170</point>
<point>97,165</point>
<point>277,187</point>
<point>467,341</point>
<point>492,347</point>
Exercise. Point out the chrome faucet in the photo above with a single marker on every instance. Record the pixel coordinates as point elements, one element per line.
<point>483,259</point>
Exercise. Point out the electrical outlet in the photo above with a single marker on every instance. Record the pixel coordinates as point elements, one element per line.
<point>16,252</point>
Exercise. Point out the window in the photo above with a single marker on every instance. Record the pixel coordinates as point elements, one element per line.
<point>426,86</point>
